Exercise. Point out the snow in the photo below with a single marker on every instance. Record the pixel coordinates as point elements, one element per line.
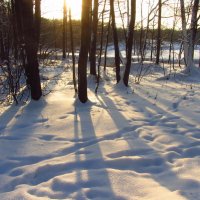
<point>140,143</point>
<point>164,52</point>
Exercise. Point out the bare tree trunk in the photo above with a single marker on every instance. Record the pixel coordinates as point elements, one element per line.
<point>14,29</point>
<point>72,50</point>
<point>106,47</point>
<point>37,20</point>
<point>152,41</point>
<point>123,24</point>
<point>159,32</point>
<point>130,42</point>
<point>101,47</point>
<point>128,12</point>
<point>94,38</point>
<point>84,49</point>
<point>192,34</point>
<point>31,46</point>
<point>115,38</point>
<point>184,30</point>
<point>64,28</point>
<point>2,51</point>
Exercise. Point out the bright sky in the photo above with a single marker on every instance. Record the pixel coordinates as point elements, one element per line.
<point>54,9</point>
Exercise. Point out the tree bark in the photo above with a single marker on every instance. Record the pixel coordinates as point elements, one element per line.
<point>115,38</point>
<point>192,34</point>
<point>84,49</point>
<point>72,50</point>
<point>64,28</point>
<point>37,20</point>
<point>31,47</point>
<point>94,39</point>
<point>159,32</point>
<point>130,42</point>
<point>184,30</point>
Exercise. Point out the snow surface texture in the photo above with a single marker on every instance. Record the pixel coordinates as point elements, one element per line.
<point>122,144</point>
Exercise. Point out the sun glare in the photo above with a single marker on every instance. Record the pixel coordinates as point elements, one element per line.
<point>54,8</point>
<point>75,6</point>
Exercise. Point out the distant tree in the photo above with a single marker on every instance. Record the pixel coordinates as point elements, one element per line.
<point>84,49</point>
<point>106,45</point>
<point>64,28</point>
<point>72,50</point>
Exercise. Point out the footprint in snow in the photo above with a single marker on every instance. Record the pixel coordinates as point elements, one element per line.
<point>2,128</point>
<point>46,137</point>
<point>196,135</point>
<point>130,152</point>
<point>41,120</point>
<point>16,172</point>
<point>148,138</point>
<point>63,117</point>
<point>17,116</point>
<point>175,106</point>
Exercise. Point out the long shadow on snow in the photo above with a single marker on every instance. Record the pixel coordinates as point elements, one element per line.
<point>20,131</point>
<point>9,114</point>
<point>6,117</point>
<point>95,166</point>
<point>85,163</point>
<point>164,110</point>
<point>158,166</point>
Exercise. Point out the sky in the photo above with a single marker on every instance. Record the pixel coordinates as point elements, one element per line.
<point>53,9</point>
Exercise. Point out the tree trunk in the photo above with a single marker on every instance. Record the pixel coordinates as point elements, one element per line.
<point>2,51</point>
<point>94,38</point>
<point>37,20</point>
<point>184,30</point>
<point>115,38</point>
<point>159,32</point>
<point>192,34</point>
<point>72,50</point>
<point>64,28</point>
<point>84,49</point>
<point>106,46</point>
<point>101,47</point>
<point>130,42</point>
<point>31,46</point>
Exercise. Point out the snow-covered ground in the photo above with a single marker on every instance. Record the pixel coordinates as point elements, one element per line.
<point>140,143</point>
<point>164,52</point>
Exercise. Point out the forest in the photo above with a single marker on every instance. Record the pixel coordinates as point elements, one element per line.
<point>21,30</point>
<point>101,106</point>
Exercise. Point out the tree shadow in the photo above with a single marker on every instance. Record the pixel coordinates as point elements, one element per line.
<point>11,112</point>
<point>7,116</point>
<point>20,123</point>
<point>50,80</point>
<point>95,166</point>
<point>158,166</point>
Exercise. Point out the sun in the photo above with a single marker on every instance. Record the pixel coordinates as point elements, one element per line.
<point>75,6</point>
<point>53,9</point>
